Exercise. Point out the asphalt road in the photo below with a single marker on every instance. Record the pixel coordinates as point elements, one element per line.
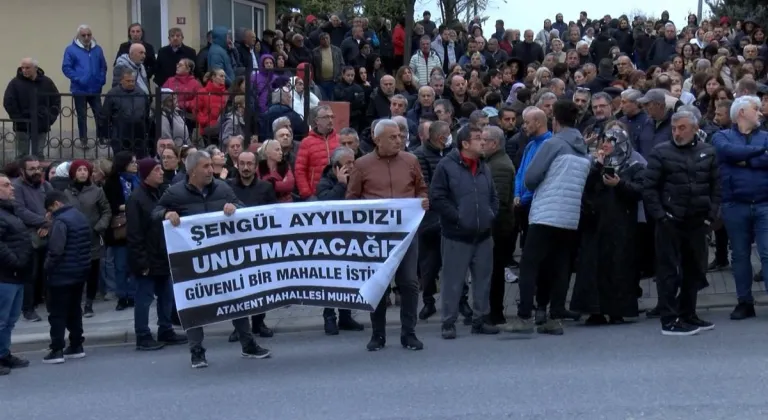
<point>616,373</point>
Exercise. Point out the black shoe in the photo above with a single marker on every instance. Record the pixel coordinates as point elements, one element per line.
<point>254,351</point>
<point>234,337</point>
<point>427,311</point>
<point>484,328</point>
<point>596,320</point>
<point>565,314</point>
<point>330,326</point>
<point>717,266</point>
<point>448,331</point>
<point>653,313</point>
<point>130,302</point>
<point>148,344</point>
<point>699,323</point>
<point>4,371</point>
<point>198,358</point>
<point>347,323</point>
<point>743,311</point>
<point>172,338</point>
<point>122,304</point>
<point>540,317</point>
<point>13,362</point>
<point>758,277</point>
<point>465,310</point>
<point>616,320</point>
<point>74,352</point>
<point>32,316</point>
<point>679,328</point>
<point>54,357</point>
<point>262,330</point>
<point>377,343</point>
<point>497,319</point>
<point>410,342</point>
<point>88,311</point>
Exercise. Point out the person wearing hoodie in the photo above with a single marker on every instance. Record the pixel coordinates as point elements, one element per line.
<point>86,68</point>
<point>557,175</point>
<point>133,60</point>
<point>262,81</point>
<point>136,36</point>
<point>60,181</point>
<point>560,24</point>
<point>218,55</point>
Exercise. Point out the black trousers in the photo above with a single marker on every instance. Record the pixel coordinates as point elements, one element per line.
<point>92,283</point>
<point>721,246</point>
<point>681,260</point>
<point>65,314</point>
<point>430,262</point>
<point>501,255</point>
<point>545,266</point>
<point>521,224</point>
<point>34,290</point>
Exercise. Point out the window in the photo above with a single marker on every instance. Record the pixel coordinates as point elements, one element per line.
<point>153,17</point>
<point>233,14</point>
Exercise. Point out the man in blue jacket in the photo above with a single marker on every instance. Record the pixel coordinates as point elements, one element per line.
<point>535,127</point>
<point>218,57</point>
<point>464,195</point>
<point>743,163</point>
<point>84,65</point>
<point>67,268</point>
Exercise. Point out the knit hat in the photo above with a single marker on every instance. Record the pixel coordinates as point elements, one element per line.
<point>76,164</point>
<point>146,166</point>
<point>165,94</point>
<point>63,169</point>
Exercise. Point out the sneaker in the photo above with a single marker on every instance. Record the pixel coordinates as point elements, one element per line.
<point>262,330</point>
<point>551,327</point>
<point>743,311</point>
<point>653,313</point>
<point>448,332</point>
<point>427,311</point>
<point>540,316</point>
<point>519,325</point>
<point>330,326</point>
<point>234,337</point>
<point>148,344</point>
<point>679,328</point>
<point>198,358</point>
<point>74,352</point>
<point>565,314</point>
<point>510,276</point>
<point>410,342</point>
<point>13,362</point>
<point>377,343</point>
<point>32,316</point>
<point>54,357</point>
<point>347,323</point>
<point>88,311</point>
<point>485,328</point>
<point>253,351</point>
<point>172,338</point>
<point>717,266</point>
<point>702,325</point>
<point>122,304</point>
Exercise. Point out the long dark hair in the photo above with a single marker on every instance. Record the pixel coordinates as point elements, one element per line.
<point>120,162</point>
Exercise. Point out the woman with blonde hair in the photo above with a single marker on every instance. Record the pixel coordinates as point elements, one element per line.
<point>276,170</point>
<point>541,78</point>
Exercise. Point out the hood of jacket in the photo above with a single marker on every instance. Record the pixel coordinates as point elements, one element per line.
<point>20,75</point>
<point>574,139</point>
<point>265,57</point>
<point>125,60</point>
<point>219,36</point>
<point>80,44</point>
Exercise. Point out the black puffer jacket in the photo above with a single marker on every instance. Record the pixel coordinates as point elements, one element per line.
<point>429,157</point>
<point>329,188</point>
<point>186,200</point>
<point>682,182</point>
<point>145,238</point>
<point>15,245</point>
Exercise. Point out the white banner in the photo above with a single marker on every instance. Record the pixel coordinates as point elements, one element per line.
<point>340,254</point>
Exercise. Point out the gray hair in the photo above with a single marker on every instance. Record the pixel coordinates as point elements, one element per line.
<point>631,95</point>
<point>349,131</point>
<point>439,128</point>
<point>683,115</point>
<point>401,122</point>
<point>339,152</point>
<point>446,104</point>
<point>194,158</point>
<point>703,64</point>
<point>127,71</point>
<point>382,124</point>
<point>280,122</point>
<point>399,97</point>
<point>497,135</point>
<point>548,96</point>
<point>436,77</point>
<point>670,25</point>
<point>476,116</point>
<point>582,44</point>
<point>693,109</point>
<point>602,95</point>
<point>314,112</point>
<point>743,102</point>
<point>82,27</point>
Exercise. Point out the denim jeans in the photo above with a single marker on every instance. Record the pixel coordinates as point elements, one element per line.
<point>125,286</point>
<point>147,287</point>
<point>746,223</point>
<point>94,101</point>
<point>11,297</point>
<point>107,280</point>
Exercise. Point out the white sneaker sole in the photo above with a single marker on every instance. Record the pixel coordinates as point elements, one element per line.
<point>680,333</point>
<point>255,356</point>
<point>710,328</point>
<point>54,361</point>
<point>74,356</point>
<point>200,365</point>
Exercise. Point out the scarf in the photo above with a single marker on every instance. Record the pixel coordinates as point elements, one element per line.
<point>128,181</point>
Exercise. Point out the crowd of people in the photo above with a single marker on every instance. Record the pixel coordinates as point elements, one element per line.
<point>607,148</point>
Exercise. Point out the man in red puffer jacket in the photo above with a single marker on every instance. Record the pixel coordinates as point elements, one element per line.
<point>315,151</point>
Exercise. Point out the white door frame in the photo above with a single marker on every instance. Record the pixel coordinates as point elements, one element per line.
<point>136,16</point>
<point>258,27</point>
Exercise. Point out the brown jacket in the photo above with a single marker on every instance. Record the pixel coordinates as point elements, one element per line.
<point>374,177</point>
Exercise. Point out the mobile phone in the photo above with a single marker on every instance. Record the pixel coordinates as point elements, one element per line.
<point>610,171</point>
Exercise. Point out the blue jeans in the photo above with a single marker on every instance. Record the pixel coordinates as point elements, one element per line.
<point>107,273</point>
<point>147,287</point>
<point>746,223</point>
<point>125,286</point>
<point>94,101</point>
<point>11,297</point>
<point>327,88</point>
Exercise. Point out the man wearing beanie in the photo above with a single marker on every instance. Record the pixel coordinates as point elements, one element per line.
<point>147,253</point>
<point>201,193</point>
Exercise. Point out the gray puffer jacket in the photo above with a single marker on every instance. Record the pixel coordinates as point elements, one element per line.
<point>92,202</point>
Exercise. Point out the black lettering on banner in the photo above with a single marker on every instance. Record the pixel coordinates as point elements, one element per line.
<point>325,297</point>
<point>257,251</point>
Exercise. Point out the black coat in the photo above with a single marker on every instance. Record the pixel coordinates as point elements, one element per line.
<point>605,275</point>
<point>354,94</point>
<point>145,238</point>
<point>167,58</point>
<point>18,97</point>
<point>65,261</point>
<point>528,52</point>
<point>114,193</point>
<point>15,245</point>
<point>186,200</point>
<point>378,107</point>
<point>258,193</point>
<point>329,188</point>
<point>661,50</point>
<point>682,183</point>
<point>149,60</point>
<point>429,157</point>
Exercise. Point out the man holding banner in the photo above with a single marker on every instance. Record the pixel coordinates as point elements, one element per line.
<point>389,172</point>
<point>202,194</point>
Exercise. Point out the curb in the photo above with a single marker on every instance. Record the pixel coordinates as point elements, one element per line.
<point>40,341</point>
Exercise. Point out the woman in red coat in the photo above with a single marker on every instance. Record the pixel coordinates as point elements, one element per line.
<point>398,43</point>
<point>184,84</point>
<point>273,169</point>
<point>212,99</point>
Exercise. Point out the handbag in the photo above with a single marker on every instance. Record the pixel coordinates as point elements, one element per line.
<point>118,225</point>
